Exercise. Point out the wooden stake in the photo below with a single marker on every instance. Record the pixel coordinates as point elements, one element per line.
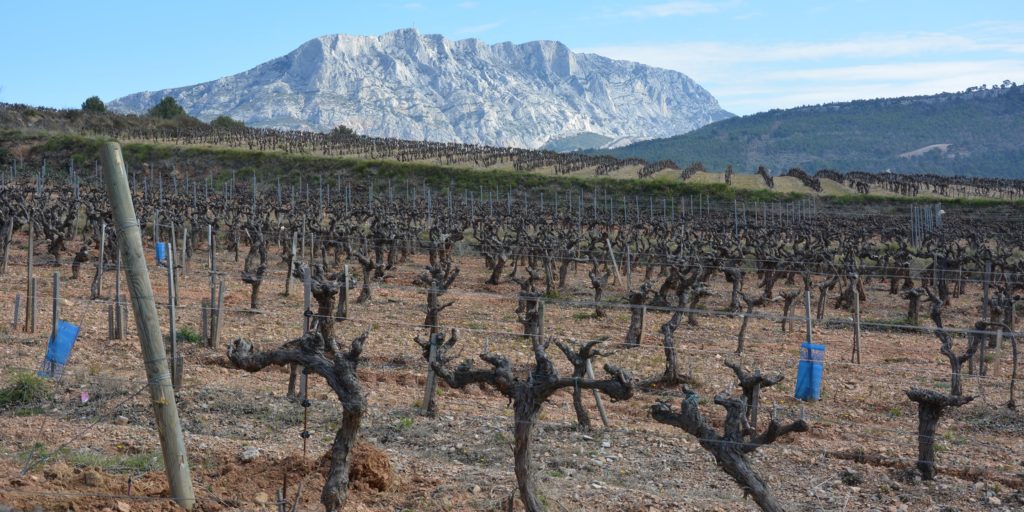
<point>172,442</point>
<point>173,321</point>
<point>218,315</point>
<point>29,292</point>
<point>855,357</point>
<point>56,305</point>
<point>597,396</point>
<point>17,311</point>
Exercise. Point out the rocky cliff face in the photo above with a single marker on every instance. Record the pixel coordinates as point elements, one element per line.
<point>407,85</point>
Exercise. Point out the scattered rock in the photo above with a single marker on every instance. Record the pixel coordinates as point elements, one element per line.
<point>121,506</point>
<point>249,454</point>
<point>475,489</point>
<point>121,420</point>
<point>851,477</point>
<point>261,498</point>
<point>992,500</point>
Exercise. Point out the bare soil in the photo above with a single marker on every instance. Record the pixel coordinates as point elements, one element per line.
<point>65,453</point>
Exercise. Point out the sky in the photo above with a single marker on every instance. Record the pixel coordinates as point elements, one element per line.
<point>752,55</point>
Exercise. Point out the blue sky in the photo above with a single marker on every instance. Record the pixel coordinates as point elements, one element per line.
<point>752,55</point>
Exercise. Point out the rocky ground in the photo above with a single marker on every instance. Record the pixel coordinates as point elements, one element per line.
<point>90,443</point>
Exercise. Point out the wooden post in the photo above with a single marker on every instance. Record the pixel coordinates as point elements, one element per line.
<point>998,355</point>
<point>172,442</point>
<point>119,305</point>
<point>307,296</point>
<point>7,252</point>
<point>173,321</point>
<point>205,322</point>
<point>629,270</point>
<point>218,316</point>
<point>291,261</point>
<point>540,319</point>
<point>122,318</point>
<point>343,299</point>
<point>611,253</point>
<point>211,340</point>
<point>29,292</point>
<point>855,356</point>
<point>110,322</point>
<point>640,327</point>
<point>56,305</point>
<point>35,305</point>
<point>184,252</point>
<point>597,396</point>
<point>101,265</point>
<point>985,304</point>
<point>17,311</point>
<point>172,247</point>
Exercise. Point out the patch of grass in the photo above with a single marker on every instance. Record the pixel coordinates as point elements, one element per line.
<point>583,315</point>
<point>953,438</point>
<point>26,388</point>
<point>111,463</point>
<point>895,412</point>
<point>405,423</point>
<point>189,335</point>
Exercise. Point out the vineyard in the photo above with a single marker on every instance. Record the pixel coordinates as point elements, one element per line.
<point>189,132</point>
<point>376,344</point>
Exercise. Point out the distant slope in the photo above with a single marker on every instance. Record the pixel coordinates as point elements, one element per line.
<point>580,141</point>
<point>412,86</point>
<point>979,132</point>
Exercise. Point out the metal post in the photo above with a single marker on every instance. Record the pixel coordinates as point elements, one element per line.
<point>807,314</point>
<point>161,393</point>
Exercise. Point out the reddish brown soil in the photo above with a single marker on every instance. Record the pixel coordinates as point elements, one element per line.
<point>461,459</point>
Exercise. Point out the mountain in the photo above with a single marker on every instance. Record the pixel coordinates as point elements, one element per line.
<point>425,87</point>
<point>978,132</point>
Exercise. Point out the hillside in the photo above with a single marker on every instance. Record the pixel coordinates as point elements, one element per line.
<point>979,132</point>
<point>414,86</point>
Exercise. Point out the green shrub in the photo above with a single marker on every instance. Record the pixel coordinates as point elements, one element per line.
<point>27,388</point>
<point>188,334</point>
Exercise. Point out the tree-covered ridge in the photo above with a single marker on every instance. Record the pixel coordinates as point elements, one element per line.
<point>983,127</point>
